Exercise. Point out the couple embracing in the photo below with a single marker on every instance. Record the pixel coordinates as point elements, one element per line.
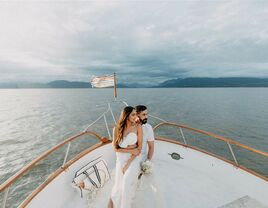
<point>131,136</point>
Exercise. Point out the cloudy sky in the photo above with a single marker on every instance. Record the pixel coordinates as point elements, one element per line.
<point>143,41</point>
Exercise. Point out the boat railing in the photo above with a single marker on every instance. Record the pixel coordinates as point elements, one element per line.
<point>32,178</point>
<point>240,155</point>
<point>38,173</point>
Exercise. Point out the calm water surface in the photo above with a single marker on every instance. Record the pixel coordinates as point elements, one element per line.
<point>34,120</point>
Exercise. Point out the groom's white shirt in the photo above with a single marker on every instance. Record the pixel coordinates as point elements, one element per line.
<point>148,135</point>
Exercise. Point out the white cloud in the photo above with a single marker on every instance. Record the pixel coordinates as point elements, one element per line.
<point>48,40</point>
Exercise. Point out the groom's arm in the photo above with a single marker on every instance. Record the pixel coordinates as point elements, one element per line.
<point>150,143</point>
<point>150,150</point>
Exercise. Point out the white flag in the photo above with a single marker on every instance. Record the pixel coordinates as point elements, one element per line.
<point>102,81</point>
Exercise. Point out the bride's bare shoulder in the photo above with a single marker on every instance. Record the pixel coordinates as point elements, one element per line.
<point>138,127</point>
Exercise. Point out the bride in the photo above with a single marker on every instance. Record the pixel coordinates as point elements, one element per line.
<point>127,143</point>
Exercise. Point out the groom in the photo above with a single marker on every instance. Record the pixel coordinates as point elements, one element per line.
<point>147,131</point>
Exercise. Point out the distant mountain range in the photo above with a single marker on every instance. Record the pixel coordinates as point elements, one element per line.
<point>53,84</point>
<point>179,82</point>
<point>216,82</point>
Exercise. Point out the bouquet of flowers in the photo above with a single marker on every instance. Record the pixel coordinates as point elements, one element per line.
<point>146,168</point>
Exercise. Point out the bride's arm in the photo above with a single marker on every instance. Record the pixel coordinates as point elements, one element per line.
<point>133,151</point>
<point>128,163</point>
<point>139,133</point>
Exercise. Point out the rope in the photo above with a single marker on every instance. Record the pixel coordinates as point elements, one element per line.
<point>109,109</point>
<point>96,120</point>
<point>157,118</point>
<point>112,112</point>
<point>103,114</point>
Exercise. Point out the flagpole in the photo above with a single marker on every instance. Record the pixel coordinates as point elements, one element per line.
<point>115,93</point>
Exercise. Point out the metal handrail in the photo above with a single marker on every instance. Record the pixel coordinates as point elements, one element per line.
<point>6,185</point>
<point>214,136</point>
<point>259,175</point>
<point>66,154</point>
<point>226,140</point>
<point>28,167</point>
<point>60,170</point>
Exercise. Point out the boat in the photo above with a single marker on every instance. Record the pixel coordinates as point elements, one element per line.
<point>193,168</point>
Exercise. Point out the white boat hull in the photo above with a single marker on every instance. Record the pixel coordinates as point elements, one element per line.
<point>197,180</point>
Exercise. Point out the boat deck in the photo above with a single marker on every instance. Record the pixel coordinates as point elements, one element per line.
<point>196,181</point>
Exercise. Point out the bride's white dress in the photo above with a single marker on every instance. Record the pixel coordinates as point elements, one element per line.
<point>148,192</point>
<point>125,185</point>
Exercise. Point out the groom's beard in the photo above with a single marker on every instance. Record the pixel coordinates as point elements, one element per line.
<point>144,121</point>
